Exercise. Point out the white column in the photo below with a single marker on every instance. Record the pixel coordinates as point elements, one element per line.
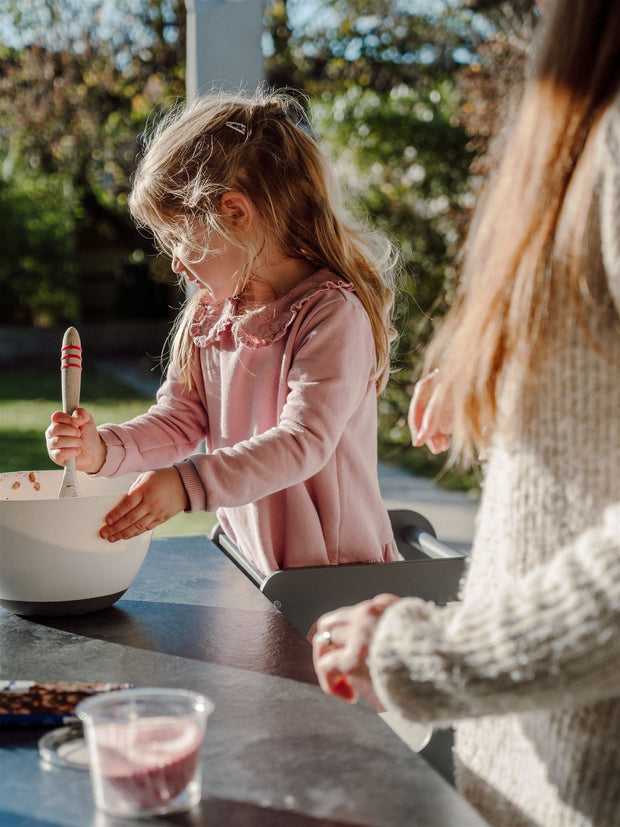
<point>224,45</point>
<point>223,50</point>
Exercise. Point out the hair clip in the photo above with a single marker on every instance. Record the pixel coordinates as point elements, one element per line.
<point>241,128</point>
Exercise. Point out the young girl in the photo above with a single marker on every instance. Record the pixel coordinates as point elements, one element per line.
<point>278,357</point>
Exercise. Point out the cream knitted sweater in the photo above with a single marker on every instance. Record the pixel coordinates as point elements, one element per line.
<point>527,666</point>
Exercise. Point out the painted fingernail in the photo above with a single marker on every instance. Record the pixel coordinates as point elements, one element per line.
<point>344,690</point>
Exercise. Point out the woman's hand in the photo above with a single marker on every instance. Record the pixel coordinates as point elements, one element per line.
<point>341,644</point>
<point>430,415</point>
<point>75,437</point>
<point>153,498</point>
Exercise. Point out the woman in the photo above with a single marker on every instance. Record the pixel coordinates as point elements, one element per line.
<point>527,666</point>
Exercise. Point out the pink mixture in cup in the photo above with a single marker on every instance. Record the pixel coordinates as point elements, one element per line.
<point>149,762</point>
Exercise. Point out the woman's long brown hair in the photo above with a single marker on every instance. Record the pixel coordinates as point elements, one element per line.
<point>515,255</point>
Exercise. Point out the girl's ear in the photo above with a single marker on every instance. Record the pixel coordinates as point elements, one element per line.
<point>238,208</point>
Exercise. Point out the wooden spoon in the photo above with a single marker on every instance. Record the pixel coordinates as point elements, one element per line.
<point>70,374</point>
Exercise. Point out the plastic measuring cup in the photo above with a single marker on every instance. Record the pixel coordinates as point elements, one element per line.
<point>144,749</point>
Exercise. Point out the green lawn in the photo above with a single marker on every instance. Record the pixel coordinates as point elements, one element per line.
<point>29,396</point>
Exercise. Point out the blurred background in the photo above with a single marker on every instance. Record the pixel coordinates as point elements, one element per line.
<point>406,96</point>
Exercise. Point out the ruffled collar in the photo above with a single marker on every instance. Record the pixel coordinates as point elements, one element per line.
<point>261,327</point>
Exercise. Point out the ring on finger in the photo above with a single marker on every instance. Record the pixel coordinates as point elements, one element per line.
<point>326,637</point>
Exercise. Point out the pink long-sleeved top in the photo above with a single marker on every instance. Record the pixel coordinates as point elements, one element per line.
<point>284,398</point>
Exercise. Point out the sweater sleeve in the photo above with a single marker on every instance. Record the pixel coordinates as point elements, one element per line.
<point>169,431</point>
<point>330,374</point>
<point>550,639</point>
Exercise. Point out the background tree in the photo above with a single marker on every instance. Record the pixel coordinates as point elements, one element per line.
<point>76,88</point>
<point>407,97</point>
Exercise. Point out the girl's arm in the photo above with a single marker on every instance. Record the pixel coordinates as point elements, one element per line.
<point>169,431</point>
<point>548,640</point>
<point>330,375</point>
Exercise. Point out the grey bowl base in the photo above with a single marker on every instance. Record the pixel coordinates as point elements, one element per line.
<point>60,608</point>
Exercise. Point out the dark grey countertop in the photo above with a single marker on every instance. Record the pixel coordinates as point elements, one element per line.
<point>277,751</point>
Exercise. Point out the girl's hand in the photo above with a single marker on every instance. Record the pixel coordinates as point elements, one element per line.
<point>152,499</point>
<point>430,415</point>
<point>340,647</point>
<point>76,437</point>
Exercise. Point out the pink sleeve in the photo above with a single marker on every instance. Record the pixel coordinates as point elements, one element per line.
<point>169,431</point>
<point>330,376</point>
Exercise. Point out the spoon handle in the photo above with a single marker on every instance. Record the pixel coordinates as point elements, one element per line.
<point>70,375</point>
<point>71,370</point>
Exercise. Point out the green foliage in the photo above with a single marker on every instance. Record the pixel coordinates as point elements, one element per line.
<point>77,88</point>
<point>374,45</point>
<point>385,80</point>
<point>76,91</point>
<point>37,266</point>
<point>401,156</point>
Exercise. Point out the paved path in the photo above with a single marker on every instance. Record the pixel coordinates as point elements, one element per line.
<point>451,513</point>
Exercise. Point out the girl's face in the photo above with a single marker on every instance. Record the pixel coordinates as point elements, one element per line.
<point>218,271</point>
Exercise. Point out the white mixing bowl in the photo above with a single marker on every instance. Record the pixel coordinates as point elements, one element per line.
<point>52,560</point>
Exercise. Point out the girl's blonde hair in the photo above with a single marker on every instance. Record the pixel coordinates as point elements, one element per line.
<point>260,146</point>
<point>526,242</point>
